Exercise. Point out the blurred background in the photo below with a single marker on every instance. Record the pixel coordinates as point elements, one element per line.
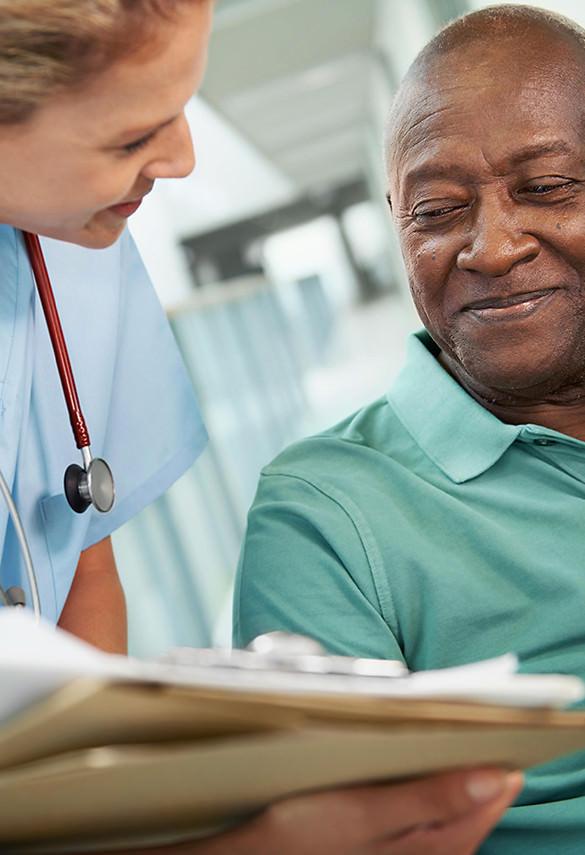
<point>279,270</point>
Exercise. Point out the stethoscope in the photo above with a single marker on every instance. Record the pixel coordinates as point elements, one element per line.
<point>89,484</point>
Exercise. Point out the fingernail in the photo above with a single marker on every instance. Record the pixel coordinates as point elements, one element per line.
<point>515,780</point>
<point>485,786</point>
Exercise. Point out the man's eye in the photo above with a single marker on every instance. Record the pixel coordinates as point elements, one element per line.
<point>547,187</point>
<point>428,213</point>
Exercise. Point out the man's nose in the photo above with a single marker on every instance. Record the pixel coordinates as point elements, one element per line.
<point>175,157</point>
<point>497,242</point>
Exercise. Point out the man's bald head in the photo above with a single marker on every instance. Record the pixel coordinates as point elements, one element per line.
<point>478,34</point>
<point>497,23</point>
<point>486,173</point>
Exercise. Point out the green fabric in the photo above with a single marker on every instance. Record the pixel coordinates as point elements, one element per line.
<point>423,528</point>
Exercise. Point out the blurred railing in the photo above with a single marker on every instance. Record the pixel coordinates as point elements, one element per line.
<point>247,354</point>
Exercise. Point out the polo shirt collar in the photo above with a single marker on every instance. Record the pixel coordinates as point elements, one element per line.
<point>460,436</point>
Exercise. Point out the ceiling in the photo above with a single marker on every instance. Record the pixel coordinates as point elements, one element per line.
<point>306,82</point>
<point>289,116</point>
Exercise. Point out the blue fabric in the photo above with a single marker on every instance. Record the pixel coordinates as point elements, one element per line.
<point>137,400</point>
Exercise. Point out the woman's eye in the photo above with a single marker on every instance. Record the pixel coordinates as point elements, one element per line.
<point>129,148</point>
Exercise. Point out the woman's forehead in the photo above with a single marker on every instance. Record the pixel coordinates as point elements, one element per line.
<point>134,95</point>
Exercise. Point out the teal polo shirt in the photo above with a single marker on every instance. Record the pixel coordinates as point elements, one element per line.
<point>424,528</point>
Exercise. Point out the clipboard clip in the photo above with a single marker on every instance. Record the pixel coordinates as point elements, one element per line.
<point>285,652</point>
<point>293,652</point>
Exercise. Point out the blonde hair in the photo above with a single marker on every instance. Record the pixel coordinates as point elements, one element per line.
<point>50,45</point>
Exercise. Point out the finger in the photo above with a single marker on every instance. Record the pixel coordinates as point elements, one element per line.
<point>455,809</point>
<point>461,836</point>
<point>360,819</point>
<point>425,801</point>
<point>440,798</point>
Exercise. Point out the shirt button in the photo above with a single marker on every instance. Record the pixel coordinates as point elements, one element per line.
<point>544,442</point>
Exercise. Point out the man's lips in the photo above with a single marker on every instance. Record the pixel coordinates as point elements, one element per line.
<point>509,306</point>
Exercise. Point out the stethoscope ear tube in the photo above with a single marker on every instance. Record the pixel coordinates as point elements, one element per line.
<point>92,483</point>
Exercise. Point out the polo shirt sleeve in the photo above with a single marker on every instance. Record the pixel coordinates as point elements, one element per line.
<point>305,568</point>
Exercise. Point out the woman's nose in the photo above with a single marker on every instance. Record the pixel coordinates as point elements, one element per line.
<point>175,157</point>
<point>497,242</point>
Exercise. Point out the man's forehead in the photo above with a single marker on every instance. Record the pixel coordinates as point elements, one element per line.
<point>453,82</point>
<point>537,51</point>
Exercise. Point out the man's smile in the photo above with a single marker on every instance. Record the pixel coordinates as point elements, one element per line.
<point>511,306</point>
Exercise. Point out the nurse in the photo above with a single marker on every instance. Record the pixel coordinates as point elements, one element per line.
<point>92,97</point>
<point>91,114</point>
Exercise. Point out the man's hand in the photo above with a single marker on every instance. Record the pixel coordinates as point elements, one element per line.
<point>447,814</point>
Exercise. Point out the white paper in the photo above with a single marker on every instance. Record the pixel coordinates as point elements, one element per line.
<point>36,659</point>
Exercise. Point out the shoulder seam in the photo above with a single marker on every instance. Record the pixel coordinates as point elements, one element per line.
<point>360,525</point>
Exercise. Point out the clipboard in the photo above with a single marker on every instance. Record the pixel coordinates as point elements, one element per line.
<point>113,762</point>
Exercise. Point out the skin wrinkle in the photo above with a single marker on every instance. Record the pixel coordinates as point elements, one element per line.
<point>415,136</point>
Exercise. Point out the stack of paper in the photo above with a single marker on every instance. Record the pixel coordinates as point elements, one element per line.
<point>96,749</point>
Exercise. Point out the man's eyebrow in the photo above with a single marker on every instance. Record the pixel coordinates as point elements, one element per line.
<point>434,170</point>
<point>540,149</point>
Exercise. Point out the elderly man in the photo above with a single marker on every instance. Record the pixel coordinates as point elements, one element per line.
<point>443,523</point>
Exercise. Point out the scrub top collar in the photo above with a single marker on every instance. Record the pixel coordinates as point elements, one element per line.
<point>16,299</point>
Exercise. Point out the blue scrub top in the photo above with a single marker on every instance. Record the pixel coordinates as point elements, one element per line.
<point>136,397</point>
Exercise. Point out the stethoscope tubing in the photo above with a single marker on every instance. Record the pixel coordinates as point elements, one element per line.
<point>47,299</point>
<point>19,529</point>
<point>90,484</point>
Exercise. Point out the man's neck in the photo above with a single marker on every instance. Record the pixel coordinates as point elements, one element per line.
<point>562,410</point>
<point>568,419</point>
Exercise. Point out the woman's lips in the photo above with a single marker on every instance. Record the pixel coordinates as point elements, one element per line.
<point>125,209</point>
<point>509,307</point>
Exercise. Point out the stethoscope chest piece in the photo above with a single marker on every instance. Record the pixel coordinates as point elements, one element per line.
<point>91,486</point>
<point>92,483</point>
